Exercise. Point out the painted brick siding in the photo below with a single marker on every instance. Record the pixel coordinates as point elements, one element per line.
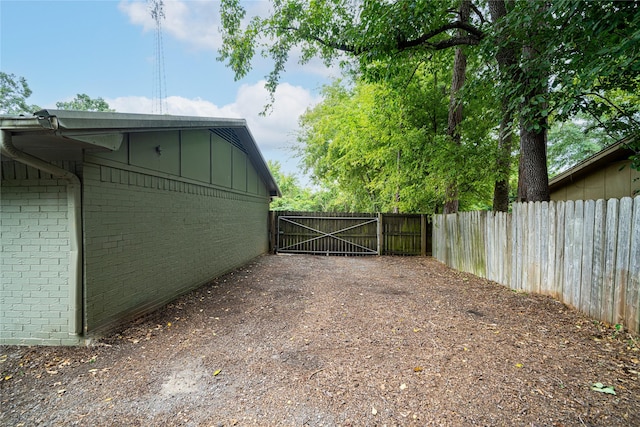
<point>34,270</point>
<point>149,239</point>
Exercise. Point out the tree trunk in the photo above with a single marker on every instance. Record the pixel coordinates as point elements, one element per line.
<point>507,63</point>
<point>455,110</point>
<point>503,162</point>
<point>533,179</point>
<point>532,77</point>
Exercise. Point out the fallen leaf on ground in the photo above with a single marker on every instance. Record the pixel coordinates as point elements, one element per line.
<point>603,389</point>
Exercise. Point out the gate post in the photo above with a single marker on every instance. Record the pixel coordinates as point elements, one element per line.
<point>273,233</point>
<point>423,235</point>
<point>380,234</point>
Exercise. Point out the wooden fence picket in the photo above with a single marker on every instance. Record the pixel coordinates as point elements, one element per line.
<point>568,251</point>
<point>610,246</point>
<point>622,259</point>
<point>543,227</point>
<point>584,253</point>
<point>551,251</point>
<point>597,271</point>
<point>586,276</point>
<point>632,315</point>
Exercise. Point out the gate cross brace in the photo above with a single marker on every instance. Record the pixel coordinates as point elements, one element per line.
<point>332,234</point>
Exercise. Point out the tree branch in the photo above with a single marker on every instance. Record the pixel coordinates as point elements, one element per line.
<point>611,104</point>
<point>454,41</point>
<point>474,34</point>
<point>477,12</point>
<point>473,38</point>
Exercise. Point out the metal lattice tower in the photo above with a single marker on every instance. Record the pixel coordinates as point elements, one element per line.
<point>156,8</point>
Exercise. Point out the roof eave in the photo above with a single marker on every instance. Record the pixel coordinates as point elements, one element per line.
<point>106,129</point>
<point>129,122</point>
<point>615,151</point>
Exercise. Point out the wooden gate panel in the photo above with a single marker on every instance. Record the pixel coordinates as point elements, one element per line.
<point>328,235</point>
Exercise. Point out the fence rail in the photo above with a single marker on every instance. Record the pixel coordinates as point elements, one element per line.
<point>396,234</point>
<point>584,253</point>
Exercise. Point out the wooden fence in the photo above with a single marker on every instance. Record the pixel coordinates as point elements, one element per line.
<point>397,234</point>
<point>583,253</point>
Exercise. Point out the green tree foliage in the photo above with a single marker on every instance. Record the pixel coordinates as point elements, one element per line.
<point>595,57</point>
<point>294,197</point>
<point>14,92</point>
<point>554,58</point>
<point>370,31</point>
<point>572,141</point>
<point>356,140</point>
<point>382,37</point>
<point>370,142</point>
<point>588,52</point>
<point>83,102</point>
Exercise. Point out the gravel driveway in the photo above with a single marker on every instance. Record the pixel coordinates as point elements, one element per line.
<point>327,341</point>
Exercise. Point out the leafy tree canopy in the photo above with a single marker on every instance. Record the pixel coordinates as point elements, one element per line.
<point>591,52</point>
<point>14,92</point>
<point>368,142</point>
<point>294,197</point>
<point>369,31</point>
<point>83,102</point>
<point>565,57</point>
<point>572,141</point>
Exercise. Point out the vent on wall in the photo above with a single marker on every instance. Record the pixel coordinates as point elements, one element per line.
<point>230,136</point>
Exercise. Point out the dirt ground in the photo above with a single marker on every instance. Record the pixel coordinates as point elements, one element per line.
<point>327,341</point>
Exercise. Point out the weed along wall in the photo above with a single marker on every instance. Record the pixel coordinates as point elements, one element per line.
<point>584,253</point>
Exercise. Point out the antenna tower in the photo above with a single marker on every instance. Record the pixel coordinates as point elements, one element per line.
<point>156,7</point>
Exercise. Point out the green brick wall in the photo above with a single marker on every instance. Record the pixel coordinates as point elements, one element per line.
<point>150,238</point>
<point>149,235</point>
<point>34,269</point>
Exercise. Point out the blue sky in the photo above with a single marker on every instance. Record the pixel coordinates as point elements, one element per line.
<point>105,48</point>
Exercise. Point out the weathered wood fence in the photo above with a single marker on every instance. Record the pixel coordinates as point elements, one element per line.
<point>397,234</point>
<point>583,253</point>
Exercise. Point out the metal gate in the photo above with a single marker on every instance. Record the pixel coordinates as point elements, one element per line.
<point>328,235</point>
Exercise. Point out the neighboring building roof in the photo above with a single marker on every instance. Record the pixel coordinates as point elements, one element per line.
<point>615,152</point>
<point>42,133</point>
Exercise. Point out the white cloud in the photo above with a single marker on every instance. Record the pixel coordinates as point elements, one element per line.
<point>276,130</point>
<point>196,23</point>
